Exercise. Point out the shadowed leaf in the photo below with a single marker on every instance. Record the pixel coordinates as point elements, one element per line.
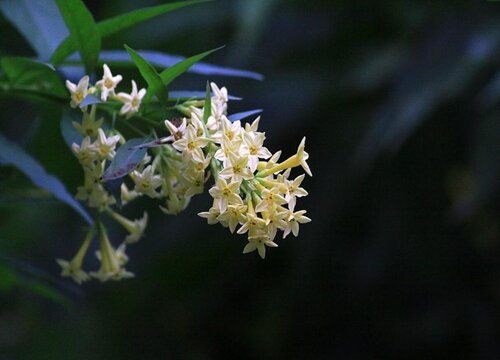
<point>244,114</point>
<point>38,21</point>
<point>33,76</point>
<point>127,157</point>
<point>12,154</point>
<point>119,23</point>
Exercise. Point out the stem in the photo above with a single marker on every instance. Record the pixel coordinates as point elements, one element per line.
<point>132,127</point>
<point>147,120</point>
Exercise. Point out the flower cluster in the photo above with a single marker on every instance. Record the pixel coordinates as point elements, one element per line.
<point>253,193</point>
<point>252,190</point>
<point>96,149</point>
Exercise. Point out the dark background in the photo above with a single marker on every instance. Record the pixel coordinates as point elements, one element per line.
<point>399,101</point>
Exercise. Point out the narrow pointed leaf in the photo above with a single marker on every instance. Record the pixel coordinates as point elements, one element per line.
<point>159,59</point>
<point>12,154</point>
<point>244,114</point>
<point>207,109</point>
<point>151,76</point>
<point>83,29</point>
<point>127,157</point>
<point>170,74</point>
<point>119,23</point>
<point>190,94</point>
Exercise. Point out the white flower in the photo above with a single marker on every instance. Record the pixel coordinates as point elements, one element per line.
<point>177,131</point>
<point>78,92</point>
<point>218,101</point>
<point>270,200</point>
<point>275,221</point>
<point>234,215</point>
<point>252,223</point>
<point>106,146</point>
<point>219,95</point>
<point>229,129</point>
<point>73,268</point>
<point>293,221</point>
<point>212,124</point>
<point>146,182</point>
<point>238,169</point>
<point>226,193</point>
<point>191,146</point>
<point>86,152</point>
<point>108,83</point>
<point>132,101</point>
<point>254,145</point>
<point>212,215</point>
<point>293,191</point>
<point>127,195</point>
<point>89,125</point>
<point>112,260</point>
<point>303,156</point>
<point>227,147</point>
<point>258,241</point>
<point>253,127</point>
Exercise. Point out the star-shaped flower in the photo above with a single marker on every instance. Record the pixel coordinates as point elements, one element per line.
<point>225,193</point>
<point>293,221</point>
<point>254,145</point>
<point>258,241</point>
<point>132,101</point>
<point>147,182</point>
<point>105,146</point>
<point>192,145</point>
<point>108,83</point>
<point>78,91</point>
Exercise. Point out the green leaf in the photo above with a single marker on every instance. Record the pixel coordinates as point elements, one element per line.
<point>207,108</point>
<point>118,23</point>
<point>170,74</point>
<point>151,76</point>
<point>38,21</point>
<point>83,29</point>
<point>12,154</point>
<point>33,76</point>
<point>127,157</point>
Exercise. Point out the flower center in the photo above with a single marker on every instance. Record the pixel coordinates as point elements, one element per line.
<point>79,96</point>
<point>108,83</point>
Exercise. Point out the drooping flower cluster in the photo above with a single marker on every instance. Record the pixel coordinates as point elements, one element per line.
<point>253,193</point>
<point>96,149</point>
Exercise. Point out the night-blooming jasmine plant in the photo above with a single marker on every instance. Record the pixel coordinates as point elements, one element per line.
<point>252,193</point>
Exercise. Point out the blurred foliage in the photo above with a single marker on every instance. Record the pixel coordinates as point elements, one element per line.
<point>400,104</point>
